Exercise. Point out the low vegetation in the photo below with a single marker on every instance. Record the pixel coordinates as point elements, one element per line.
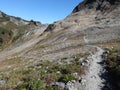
<point>41,75</point>
<point>5,35</point>
<point>113,66</point>
<point>4,19</point>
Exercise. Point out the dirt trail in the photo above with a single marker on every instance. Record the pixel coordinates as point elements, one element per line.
<point>33,41</point>
<point>93,79</point>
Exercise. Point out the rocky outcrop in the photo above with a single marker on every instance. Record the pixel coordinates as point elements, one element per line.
<point>101,5</point>
<point>50,27</point>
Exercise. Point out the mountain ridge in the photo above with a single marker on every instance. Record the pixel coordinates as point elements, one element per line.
<point>98,5</point>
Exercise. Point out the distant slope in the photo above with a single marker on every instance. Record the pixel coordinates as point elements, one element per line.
<point>13,29</point>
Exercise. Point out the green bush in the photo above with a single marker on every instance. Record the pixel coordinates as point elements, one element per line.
<point>66,78</point>
<point>50,88</point>
<point>21,87</point>
<point>4,31</point>
<point>27,71</point>
<point>31,85</point>
<point>4,19</point>
<point>65,70</point>
<point>1,40</point>
<point>36,85</point>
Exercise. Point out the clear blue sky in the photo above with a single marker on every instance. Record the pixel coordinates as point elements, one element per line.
<point>45,11</point>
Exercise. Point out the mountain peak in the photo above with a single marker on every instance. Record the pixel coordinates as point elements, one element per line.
<point>97,5</point>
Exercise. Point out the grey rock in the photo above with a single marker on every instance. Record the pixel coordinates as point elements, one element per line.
<point>2,82</point>
<point>59,84</point>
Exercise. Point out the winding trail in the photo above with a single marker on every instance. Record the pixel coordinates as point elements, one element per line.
<point>93,78</point>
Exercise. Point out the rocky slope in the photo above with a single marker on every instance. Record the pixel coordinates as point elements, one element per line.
<point>15,31</point>
<point>96,26</point>
<point>69,43</point>
<point>98,5</point>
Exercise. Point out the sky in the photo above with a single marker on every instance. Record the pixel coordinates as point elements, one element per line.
<point>45,11</point>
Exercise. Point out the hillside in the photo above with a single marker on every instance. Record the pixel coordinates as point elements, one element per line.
<point>71,54</point>
<point>13,29</point>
